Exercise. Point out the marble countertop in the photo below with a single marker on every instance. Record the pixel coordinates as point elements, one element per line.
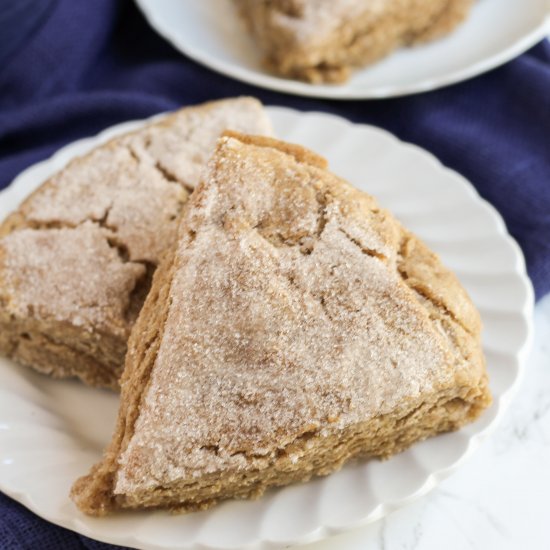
<point>497,499</point>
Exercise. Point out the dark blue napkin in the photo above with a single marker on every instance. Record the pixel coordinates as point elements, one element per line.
<point>74,68</point>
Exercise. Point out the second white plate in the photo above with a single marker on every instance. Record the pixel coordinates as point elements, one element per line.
<point>52,431</point>
<point>211,33</point>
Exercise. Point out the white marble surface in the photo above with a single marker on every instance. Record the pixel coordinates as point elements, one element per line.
<point>499,498</point>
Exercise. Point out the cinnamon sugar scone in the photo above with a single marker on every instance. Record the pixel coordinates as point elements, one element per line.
<point>294,325</point>
<point>323,40</point>
<point>76,258</point>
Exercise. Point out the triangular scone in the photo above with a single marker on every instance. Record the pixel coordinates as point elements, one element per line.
<point>324,40</point>
<point>295,325</point>
<point>76,258</point>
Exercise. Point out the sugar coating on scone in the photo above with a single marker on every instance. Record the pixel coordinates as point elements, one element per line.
<point>295,325</point>
<point>35,264</point>
<point>128,194</point>
<point>116,190</point>
<point>324,40</point>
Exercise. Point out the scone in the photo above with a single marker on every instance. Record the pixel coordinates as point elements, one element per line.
<point>77,257</point>
<point>294,325</point>
<point>323,40</point>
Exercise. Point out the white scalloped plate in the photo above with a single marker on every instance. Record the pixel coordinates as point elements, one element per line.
<point>51,432</point>
<point>210,32</point>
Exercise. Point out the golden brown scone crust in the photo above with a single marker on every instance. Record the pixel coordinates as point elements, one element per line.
<point>325,40</point>
<point>77,257</point>
<point>294,325</point>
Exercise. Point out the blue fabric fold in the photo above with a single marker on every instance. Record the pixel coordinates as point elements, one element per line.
<point>75,68</point>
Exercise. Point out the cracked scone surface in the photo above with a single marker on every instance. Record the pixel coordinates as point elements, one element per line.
<point>294,325</point>
<point>324,40</point>
<point>76,258</point>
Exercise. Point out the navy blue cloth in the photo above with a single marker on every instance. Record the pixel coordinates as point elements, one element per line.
<point>83,66</point>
